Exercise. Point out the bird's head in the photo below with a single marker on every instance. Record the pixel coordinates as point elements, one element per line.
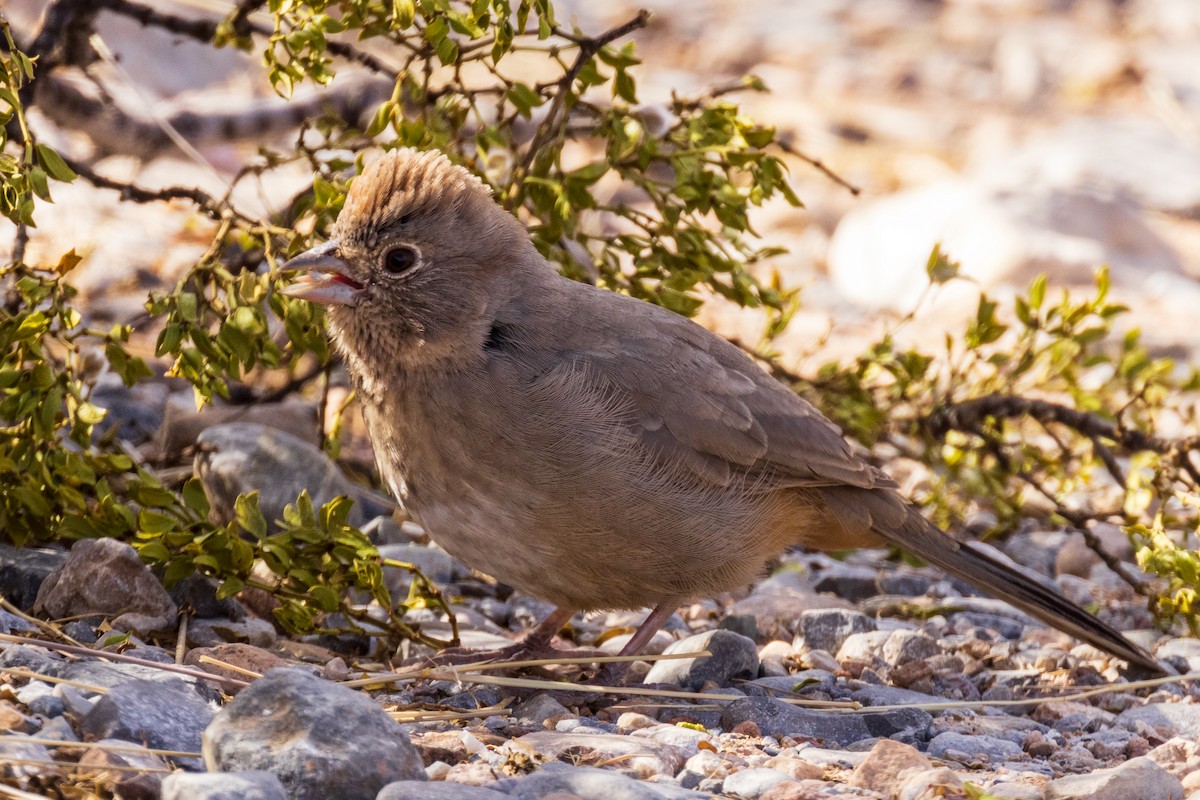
<point>419,260</point>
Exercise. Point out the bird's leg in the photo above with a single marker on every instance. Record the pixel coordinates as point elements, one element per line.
<point>536,644</point>
<point>615,670</point>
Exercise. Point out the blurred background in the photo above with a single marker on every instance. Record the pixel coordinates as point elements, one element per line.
<point>1025,136</point>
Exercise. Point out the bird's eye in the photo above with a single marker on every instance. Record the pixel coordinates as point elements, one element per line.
<point>400,259</point>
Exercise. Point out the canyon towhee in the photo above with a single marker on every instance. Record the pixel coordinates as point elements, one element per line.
<point>594,450</point>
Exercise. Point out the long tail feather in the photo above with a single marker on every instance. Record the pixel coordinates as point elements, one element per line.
<point>966,561</point>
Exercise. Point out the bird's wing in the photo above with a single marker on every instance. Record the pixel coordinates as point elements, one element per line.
<point>699,400</point>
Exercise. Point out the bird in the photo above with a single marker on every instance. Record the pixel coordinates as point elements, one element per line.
<point>589,448</point>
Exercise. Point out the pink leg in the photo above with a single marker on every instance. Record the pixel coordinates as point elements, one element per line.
<point>652,624</point>
<point>613,673</point>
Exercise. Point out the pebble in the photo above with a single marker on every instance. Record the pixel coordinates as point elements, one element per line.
<point>320,739</point>
<point>638,754</point>
<point>956,746</point>
<point>131,772</point>
<point>733,656</point>
<point>827,628</point>
<point>776,718</point>
<point>248,785</point>
<point>1138,778</point>
<point>163,715</point>
<point>106,577</point>
<point>750,784</point>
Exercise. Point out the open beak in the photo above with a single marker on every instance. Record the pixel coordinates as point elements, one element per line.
<point>326,281</point>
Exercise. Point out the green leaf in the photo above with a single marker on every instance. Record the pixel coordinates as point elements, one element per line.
<point>53,163</point>
<point>246,512</point>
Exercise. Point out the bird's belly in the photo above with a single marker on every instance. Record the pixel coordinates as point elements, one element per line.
<point>587,562</point>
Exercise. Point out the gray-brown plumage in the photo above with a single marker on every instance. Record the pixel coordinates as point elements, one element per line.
<point>591,449</point>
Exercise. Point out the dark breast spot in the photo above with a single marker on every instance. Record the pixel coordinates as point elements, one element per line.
<point>500,338</point>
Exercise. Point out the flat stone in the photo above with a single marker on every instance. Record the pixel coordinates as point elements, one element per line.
<point>1137,778</point>
<point>134,773</point>
<point>733,656</point>
<point>750,784</point>
<point>248,785</point>
<point>163,715</point>
<point>436,790</point>
<point>826,629</point>
<point>23,569</point>
<point>106,577</point>
<point>1173,719</point>
<point>776,718</point>
<point>886,762</point>
<point>644,756</point>
<point>988,748</point>
<point>320,739</point>
<point>589,782</point>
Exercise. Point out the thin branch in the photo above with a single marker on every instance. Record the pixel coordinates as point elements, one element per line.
<point>206,202</point>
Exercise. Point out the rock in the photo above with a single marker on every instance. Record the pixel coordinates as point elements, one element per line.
<point>999,234</point>
<point>750,784</point>
<point>886,762</point>
<point>1172,719</point>
<point>22,759</point>
<point>776,718</point>
<point>1036,550</point>
<point>241,457</point>
<point>733,656</point>
<point>866,646</point>
<point>930,784</point>
<point>215,632</point>
<point>199,594</point>
<point>132,772</point>
<point>1185,650</point>
<point>105,576</point>
<point>987,748</point>
<point>639,754</point>
<point>135,412</point>
<point>776,606</point>
<point>1075,557</point>
<point>320,739</point>
<point>903,646</point>
<point>1138,777</point>
<point>254,659</point>
<point>426,790</point>
<point>163,715</point>
<point>826,629</point>
<point>248,785</point>
<point>183,424</point>
<point>23,569</point>
<point>563,781</point>
<point>434,562</point>
<point>539,708</point>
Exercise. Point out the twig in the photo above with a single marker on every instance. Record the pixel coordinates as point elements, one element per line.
<point>588,47</point>
<point>819,166</point>
<point>206,202</point>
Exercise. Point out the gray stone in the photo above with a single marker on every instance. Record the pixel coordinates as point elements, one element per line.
<point>1187,650</point>
<point>163,715</point>
<point>1137,778</point>
<point>23,569</point>
<point>590,782</point>
<point>642,755</point>
<point>904,646</point>
<point>435,790</point>
<point>35,760</point>
<point>987,748</point>
<point>320,739</point>
<point>866,646</point>
<point>131,772</point>
<point>1173,719</point>
<point>892,696</point>
<point>808,680</point>
<point>433,562</point>
<point>105,576</point>
<point>733,656</point>
<point>776,718</point>
<point>752,783</point>
<point>220,630</point>
<point>826,629</point>
<point>240,457</point>
<point>540,708</point>
<point>249,785</point>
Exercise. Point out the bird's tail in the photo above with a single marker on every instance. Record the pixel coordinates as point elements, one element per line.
<point>975,566</point>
